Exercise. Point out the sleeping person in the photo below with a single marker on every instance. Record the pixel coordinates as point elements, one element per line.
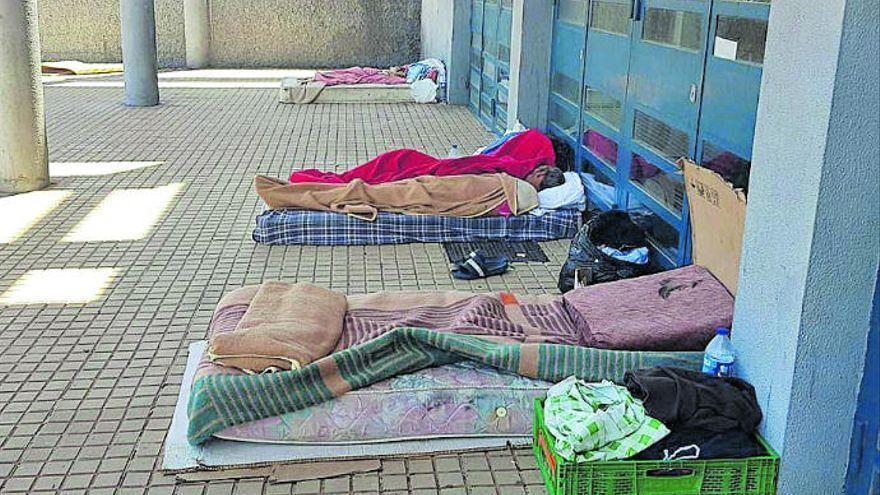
<point>529,155</point>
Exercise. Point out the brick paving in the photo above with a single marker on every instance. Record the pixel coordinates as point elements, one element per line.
<point>87,390</point>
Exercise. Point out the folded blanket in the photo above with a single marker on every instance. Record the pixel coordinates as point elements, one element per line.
<point>456,196</point>
<point>285,327</point>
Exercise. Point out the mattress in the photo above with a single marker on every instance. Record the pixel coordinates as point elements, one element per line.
<point>318,228</point>
<point>459,400</point>
<point>357,93</point>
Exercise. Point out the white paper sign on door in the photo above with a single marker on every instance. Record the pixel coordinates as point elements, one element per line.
<point>725,48</point>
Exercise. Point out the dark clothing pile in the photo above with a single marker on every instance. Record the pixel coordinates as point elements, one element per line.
<point>614,229</point>
<point>718,415</point>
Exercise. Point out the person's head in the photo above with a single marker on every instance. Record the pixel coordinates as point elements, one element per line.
<point>564,154</point>
<point>545,176</point>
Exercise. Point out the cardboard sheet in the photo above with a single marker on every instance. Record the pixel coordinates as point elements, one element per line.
<point>718,213</point>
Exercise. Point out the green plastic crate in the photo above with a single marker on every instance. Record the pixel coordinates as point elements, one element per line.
<point>751,476</point>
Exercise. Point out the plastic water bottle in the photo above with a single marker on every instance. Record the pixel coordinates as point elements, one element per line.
<point>454,152</point>
<point>719,357</point>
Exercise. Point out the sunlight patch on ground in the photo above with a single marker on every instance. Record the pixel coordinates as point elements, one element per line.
<point>92,169</point>
<point>125,215</point>
<point>20,212</point>
<point>59,286</point>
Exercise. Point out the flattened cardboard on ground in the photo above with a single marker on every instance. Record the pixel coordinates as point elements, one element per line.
<point>285,473</point>
<point>319,470</point>
<point>718,214</point>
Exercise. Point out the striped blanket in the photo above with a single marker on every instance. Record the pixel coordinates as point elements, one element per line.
<point>378,344</point>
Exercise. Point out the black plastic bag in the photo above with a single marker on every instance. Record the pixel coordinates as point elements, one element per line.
<point>610,228</point>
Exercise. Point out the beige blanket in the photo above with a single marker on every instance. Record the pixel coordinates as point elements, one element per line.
<point>286,326</point>
<point>452,196</point>
<point>300,91</point>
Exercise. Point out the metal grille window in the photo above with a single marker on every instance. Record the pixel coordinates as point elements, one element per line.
<point>674,28</point>
<point>660,233</point>
<point>741,39</point>
<point>602,107</point>
<point>563,118</point>
<point>667,141</point>
<point>666,188</point>
<point>565,87</point>
<point>610,17</point>
<point>572,12</point>
<point>734,168</point>
<point>602,146</point>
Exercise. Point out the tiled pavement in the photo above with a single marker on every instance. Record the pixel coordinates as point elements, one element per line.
<point>87,389</point>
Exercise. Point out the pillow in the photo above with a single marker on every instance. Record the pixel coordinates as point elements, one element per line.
<point>677,310</point>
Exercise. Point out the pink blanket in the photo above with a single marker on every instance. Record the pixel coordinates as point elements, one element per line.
<point>357,75</point>
<point>517,157</point>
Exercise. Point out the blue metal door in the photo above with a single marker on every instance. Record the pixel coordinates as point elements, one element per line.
<point>566,75</point>
<point>491,11</point>
<point>502,57</point>
<point>476,58</point>
<point>661,116</point>
<point>490,61</point>
<point>863,476</point>
<point>731,85</point>
<point>605,81</point>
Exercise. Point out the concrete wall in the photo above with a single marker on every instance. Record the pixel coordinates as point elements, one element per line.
<point>246,33</point>
<point>446,35</point>
<point>88,30</point>
<point>437,22</point>
<point>810,254</point>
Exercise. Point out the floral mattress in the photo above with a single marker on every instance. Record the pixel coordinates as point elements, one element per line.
<point>456,400</point>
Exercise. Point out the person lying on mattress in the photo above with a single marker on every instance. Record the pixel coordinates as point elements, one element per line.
<point>464,196</point>
<point>528,155</point>
<point>410,182</point>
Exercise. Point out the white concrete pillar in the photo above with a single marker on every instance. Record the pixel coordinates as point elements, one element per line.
<point>810,251</point>
<point>23,155</point>
<point>197,32</point>
<point>138,19</point>
<point>531,38</point>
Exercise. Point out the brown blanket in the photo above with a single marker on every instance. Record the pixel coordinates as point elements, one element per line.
<point>285,327</point>
<point>451,196</point>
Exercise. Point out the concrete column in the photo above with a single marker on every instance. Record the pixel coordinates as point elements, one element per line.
<point>530,42</point>
<point>23,156</point>
<point>810,254</point>
<point>197,31</point>
<point>138,20</point>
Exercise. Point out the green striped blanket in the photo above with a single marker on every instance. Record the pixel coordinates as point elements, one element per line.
<point>219,401</point>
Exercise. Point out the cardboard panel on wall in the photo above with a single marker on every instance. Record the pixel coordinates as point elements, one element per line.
<point>718,213</point>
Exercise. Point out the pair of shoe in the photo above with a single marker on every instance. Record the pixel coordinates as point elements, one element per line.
<point>478,265</point>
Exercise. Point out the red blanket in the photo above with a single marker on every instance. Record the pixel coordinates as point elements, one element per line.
<point>517,157</point>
